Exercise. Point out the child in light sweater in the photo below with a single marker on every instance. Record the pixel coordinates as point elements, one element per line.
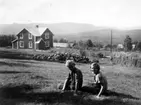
<point>100,80</point>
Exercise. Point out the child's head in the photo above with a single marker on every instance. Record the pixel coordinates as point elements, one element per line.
<point>70,64</point>
<point>95,68</point>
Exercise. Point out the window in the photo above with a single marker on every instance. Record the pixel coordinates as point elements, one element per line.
<point>30,44</point>
<point>21,35</point>
<point>29,35</point>
<point>47,35</point>
<point>21,44</point>
<point>47,43</point>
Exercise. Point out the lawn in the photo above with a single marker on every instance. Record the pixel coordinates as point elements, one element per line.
<point>30,82</point>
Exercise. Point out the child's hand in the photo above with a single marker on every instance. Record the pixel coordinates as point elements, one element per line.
<point>94,82</point>
<point>62,92</point>
<point>98,97</point>
<point>75,94</point>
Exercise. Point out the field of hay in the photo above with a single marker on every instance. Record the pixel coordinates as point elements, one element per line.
<point>30,82</point>
<point>129,59</point>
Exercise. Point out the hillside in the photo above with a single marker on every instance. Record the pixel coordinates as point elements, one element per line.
<point>104,35</point>
<point>77,31</point>
<point>56,28</point>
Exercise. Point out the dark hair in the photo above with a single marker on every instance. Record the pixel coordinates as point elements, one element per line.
<point>96,66</point>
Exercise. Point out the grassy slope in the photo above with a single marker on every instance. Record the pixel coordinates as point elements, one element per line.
<point>29,82</point>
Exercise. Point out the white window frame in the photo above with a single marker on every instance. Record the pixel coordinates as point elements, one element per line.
<point>29,35</point>
<point>21,43</point>
<point>47,44</point>
<point>30,44</point>
<point>21,35</point>
<point>47,35</point>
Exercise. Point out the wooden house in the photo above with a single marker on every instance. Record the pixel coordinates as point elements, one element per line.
<point>34,38</point>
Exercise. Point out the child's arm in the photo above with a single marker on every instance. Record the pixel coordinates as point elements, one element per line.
<point>64,86</point>
<point>76,84</point>
<point>100,92</point>
<point>98,81</point>
<point>66,82</point>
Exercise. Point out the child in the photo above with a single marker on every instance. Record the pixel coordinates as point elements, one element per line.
<point>74,79</point>
<point>100,80</point>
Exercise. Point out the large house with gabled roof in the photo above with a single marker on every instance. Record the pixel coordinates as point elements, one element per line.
<point>34,38</point>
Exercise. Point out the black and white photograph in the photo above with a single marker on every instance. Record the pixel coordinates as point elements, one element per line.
<point>70,52</point>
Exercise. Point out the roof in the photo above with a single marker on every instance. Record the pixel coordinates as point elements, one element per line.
<point>60,44</point>
<point>38,41</point>
<point>14,40</point>
<point>41,30</point>
<point>36,31</point>
<point>33,31</point>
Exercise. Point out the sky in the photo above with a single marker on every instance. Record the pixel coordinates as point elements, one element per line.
<point>111,13</point>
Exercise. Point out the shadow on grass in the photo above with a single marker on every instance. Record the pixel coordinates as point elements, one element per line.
<point>14,64</point>
<point>120,95</point>
<point>13,72</point>
<point>26,94</point>
<point>108,93</point>
<point>11,91</point>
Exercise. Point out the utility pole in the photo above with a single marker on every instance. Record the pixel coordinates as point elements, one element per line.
<point>111,40</point>
<point>111,47</point>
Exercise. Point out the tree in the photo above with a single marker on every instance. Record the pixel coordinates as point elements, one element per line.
<point>82,44</point>
<point>6,40</point>
<point>89,43</point>
<point>98,45</point>
<point>62,40</point>
<point>108,46</point>
<point>114,46</point>
<point>128,43</point>
<point>82,52</point>
<point>138,46</point>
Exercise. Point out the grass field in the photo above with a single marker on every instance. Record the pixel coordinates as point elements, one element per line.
<point>30,82</point>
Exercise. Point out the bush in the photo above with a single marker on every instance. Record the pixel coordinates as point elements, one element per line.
<point>82,52</point>
<point>100,55</point>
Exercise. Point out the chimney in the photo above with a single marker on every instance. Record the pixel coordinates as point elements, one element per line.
<point>37,26</point>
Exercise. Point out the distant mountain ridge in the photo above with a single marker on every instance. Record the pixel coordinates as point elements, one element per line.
<point>77,31</point>
<point>57,28</point>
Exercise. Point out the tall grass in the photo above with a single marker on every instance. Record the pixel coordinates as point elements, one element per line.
<point>127,58</point>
